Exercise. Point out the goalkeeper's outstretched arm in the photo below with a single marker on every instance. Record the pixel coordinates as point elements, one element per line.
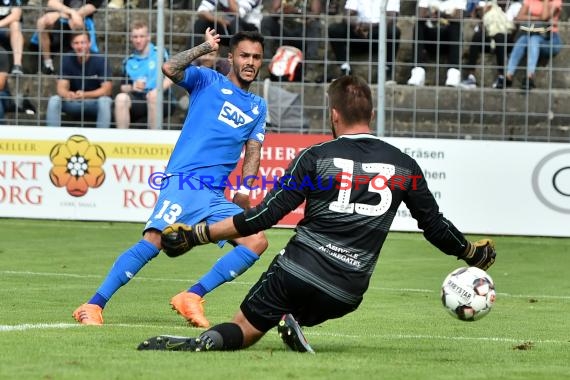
<point>178,238</point>
<point>223,230</point>
<point>441,232</point>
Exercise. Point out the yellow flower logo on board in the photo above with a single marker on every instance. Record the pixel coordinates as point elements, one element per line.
<point>77,165</point>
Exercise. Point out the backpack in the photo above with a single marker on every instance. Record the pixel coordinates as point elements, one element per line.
<point>286,64</point>
<point>496,21</point>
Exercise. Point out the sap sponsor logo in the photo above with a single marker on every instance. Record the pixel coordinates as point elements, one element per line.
<point>233,116</point>
<point>227,91</point>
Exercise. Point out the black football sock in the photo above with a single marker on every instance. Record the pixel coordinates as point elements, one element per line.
<point>223,337</point>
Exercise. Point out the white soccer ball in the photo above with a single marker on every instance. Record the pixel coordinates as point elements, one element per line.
<point>468,293</point>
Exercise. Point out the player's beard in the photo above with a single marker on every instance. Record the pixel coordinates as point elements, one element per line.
<point>244,83</point>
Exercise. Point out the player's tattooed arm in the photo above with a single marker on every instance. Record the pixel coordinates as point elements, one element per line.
<point>174,68</point>
<point>251,161</point>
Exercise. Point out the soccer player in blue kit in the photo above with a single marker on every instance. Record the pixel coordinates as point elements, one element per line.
<point>223,117</point>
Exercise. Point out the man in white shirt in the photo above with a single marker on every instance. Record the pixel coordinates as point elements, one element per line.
<point>227,17</point>
<point>295,23</point>
<point>364,19</point>
<point>438,30</point>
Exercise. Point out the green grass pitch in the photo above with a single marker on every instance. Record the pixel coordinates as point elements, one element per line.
<point>401,330</point>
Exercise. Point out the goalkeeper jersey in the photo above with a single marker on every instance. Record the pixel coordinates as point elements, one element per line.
<point>353,186</point>
<point>221,118</point>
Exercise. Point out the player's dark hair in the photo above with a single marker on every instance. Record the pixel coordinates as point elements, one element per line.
<point>245,36</point>
<point>352,98</point>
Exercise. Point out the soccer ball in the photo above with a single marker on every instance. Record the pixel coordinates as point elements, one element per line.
<point>468,293</point>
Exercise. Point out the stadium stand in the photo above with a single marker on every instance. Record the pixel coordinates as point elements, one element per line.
<point>431,111</point>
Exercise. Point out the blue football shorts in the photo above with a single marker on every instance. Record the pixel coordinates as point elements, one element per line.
<point>190,202</point>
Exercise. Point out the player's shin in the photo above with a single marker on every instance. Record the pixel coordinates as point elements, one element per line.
<point>126,266</point>
<point>228,267</point>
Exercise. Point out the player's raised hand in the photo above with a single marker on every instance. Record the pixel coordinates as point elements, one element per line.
<point>179,238</point>
<point>213,38</point>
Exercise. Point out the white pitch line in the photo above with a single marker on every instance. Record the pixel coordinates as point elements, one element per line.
<point>75,275</point>
<point>384,289</point>
<point>439,337</point>
<point>165,329</point>
<point>37,326</point>
<point>45,326</point>
<point>85,224</point>
<point>29,273</point>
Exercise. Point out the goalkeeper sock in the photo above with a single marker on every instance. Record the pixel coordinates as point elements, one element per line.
<point>125,267</point>
<point>228,267</point>
<point>223,337</point>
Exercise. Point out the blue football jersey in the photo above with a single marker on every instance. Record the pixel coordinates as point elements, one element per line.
<point>221,118</point>
<point>137,67</point>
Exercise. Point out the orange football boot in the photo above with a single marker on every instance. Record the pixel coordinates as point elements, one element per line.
<point>190,306</point>
<point>89,314</point>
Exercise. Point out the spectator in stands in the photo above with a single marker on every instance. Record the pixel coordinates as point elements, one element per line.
<point>67,15</point>
<point>533,42</point>
<point>4,92</point>
<point>495,34</point>
<point>172,4</point>
<point>438,31</point>
<point>227,17</point>
<point>84,87</point>
<point>213,61</point>
<point>175,4</point>
<point>119,4</point>
<point>8,102</point>
<point>11,31</point>
<point>138,95</point>
<point>360,29</point>
<point>295,23</point>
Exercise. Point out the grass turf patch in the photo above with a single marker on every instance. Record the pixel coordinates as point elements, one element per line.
<point>401,330</point>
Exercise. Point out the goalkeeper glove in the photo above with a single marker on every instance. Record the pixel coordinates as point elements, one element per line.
<point>178,238</point>
<point>480,254</point>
